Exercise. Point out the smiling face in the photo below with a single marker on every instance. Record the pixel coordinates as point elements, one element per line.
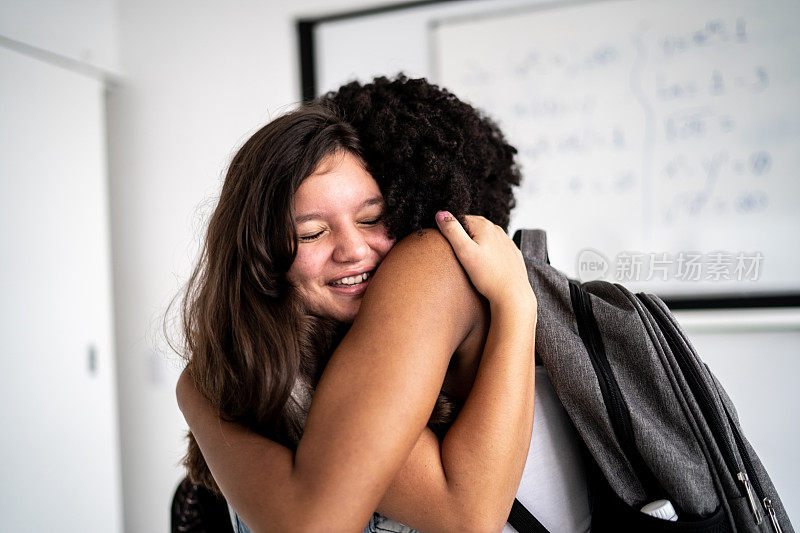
<point>341,237</point>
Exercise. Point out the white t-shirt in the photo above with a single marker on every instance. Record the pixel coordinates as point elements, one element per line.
<point>553,485</point>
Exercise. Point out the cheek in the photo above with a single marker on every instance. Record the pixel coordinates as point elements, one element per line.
<point>386,244</point>
<point>305,268</point>
<point>382,244</point>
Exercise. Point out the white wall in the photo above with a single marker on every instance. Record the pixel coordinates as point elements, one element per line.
<point>59,390</point>
<point>57,365</point>
<point>82,32</point>
<point>198,77</point>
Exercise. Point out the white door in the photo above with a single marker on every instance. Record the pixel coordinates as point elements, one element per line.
<point>59,458</point>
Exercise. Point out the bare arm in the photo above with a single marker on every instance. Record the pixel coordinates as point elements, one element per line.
<point>371,407</point>
<point>484,452</point>
<point>470,480</point>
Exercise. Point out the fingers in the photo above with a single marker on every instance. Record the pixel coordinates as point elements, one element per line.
<point>490,258</point>
<point>483,230</point>
<point>453,232</point>
<point>477,225</point>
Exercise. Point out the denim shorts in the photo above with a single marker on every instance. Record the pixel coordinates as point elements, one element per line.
<point>377,524</point>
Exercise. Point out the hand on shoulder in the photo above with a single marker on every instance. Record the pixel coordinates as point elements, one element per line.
<point>492,261</point>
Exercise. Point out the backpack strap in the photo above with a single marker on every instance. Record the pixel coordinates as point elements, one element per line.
<point>533,244</point>
<point>523,521</point>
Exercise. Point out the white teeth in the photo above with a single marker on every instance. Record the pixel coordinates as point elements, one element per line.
<point>352,280</point>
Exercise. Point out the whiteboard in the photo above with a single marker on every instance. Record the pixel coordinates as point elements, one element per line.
<point>658,140</point>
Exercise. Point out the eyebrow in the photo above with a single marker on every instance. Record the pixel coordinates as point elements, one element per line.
<point>375,200</point>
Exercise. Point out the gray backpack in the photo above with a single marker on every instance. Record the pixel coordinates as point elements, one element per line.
<point>655,422</point>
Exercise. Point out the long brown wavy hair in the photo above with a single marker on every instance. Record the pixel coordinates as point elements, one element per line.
<point>251,347</point>
<point>248,341</point>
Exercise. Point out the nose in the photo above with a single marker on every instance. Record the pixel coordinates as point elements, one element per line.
<point>351,246</point>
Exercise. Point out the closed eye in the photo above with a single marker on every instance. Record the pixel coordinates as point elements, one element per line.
<point>373,221</point>
<point>312,237</point>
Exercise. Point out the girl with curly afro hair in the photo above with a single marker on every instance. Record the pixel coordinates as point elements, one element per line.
<point>310,206</point>
<point>428,151</point>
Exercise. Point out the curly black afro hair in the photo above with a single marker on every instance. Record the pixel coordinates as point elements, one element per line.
<point>428,151</point>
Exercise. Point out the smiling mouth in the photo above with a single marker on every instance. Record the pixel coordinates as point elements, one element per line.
<point>351,281</point>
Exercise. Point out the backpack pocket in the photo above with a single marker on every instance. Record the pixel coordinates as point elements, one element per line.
<point>611,514</point>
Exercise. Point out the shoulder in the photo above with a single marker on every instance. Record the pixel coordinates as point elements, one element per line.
<point>422,263</point>
<point>423,272</point>
<point>424,251</point>
<point>184,389</point>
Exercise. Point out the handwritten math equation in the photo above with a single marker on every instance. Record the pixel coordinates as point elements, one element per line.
<point>683,121</point>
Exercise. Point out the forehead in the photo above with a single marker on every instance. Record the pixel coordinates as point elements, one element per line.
<point>340,182</point>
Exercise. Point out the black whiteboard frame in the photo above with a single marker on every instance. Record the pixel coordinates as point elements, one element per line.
<point>305,36</point>
<point>308,90</point>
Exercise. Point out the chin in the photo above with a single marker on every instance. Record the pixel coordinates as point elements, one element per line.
<point>347,314</point>
<point>347,317</point>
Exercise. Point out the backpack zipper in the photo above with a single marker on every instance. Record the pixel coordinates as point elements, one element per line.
<point>710,412</point>
<point>751,497</point>
<point>772,516</point>
<point>609,388</point>
<point>756,484</point>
